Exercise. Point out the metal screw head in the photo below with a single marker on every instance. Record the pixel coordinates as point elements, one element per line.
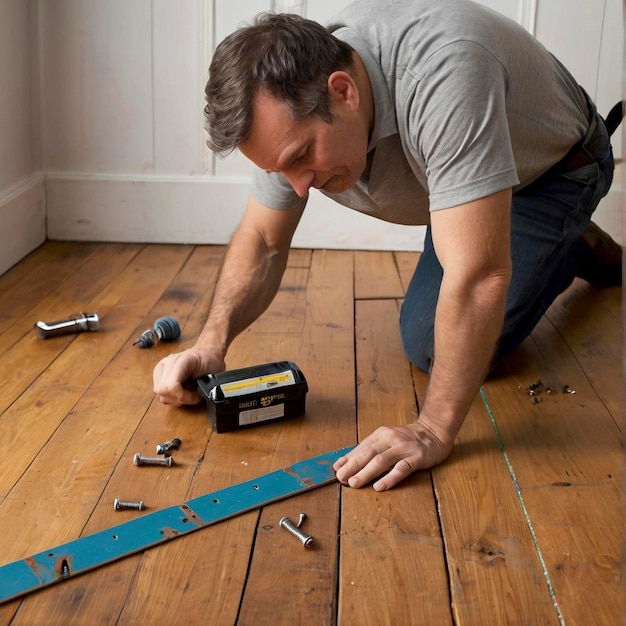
<point>149,460</point>
<point>162,448</point>
<point>306,540</point>
<point>118,505</point>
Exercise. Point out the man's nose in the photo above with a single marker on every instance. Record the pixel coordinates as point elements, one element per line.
<point>300,181</point>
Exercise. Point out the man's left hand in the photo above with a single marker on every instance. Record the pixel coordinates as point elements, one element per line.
<point>395,452</point>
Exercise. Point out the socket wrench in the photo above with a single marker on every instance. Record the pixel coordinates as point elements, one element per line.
<point>74,324</point>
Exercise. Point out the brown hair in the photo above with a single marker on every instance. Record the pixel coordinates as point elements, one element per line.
<point>289,56</point>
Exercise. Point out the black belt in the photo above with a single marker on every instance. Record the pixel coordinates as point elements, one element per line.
<point>590,149</point>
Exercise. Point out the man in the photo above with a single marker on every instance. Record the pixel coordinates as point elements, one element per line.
<point>418,112</point>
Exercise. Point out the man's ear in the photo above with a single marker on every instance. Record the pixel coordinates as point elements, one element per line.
<point>341,86</point>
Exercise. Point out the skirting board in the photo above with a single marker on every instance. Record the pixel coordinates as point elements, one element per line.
<point>201,210</point>
<point>23,219</point>
<point>206,210</point>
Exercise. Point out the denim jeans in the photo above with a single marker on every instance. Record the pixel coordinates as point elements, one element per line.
<point>547,218</point>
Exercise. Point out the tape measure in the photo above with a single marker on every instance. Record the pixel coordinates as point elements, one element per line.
<point>87,553</point>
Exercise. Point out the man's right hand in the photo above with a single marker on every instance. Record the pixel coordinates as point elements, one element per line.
<point>173,373</point>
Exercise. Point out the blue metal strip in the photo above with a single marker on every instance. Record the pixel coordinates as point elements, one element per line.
<point>86,553</point>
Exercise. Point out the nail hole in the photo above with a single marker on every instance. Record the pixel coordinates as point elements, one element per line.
<point>216,501</point>
<point>185,520</point>
<point>115,537</point>
<point>256,487</point>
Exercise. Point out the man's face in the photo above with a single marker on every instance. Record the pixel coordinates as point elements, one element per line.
<point>310,152</point>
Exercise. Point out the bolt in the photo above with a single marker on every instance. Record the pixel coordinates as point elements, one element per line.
<point>287,524</point>
<point>118,505</point>
<point>162,448</point>
<point>150,460</point>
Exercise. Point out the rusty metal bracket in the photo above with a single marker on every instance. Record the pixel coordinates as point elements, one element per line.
<point>35,572</point>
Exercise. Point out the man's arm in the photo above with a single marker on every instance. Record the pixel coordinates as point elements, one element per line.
<point>472,242</point>
<point>249,279</point>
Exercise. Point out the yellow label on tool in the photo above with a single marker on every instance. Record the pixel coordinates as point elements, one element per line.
<point>257,384</point>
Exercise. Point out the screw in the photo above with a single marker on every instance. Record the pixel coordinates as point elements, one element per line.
<point>118,505</point>
<point>162,448</point>
<point>150,460</point>
<point>287,524</point>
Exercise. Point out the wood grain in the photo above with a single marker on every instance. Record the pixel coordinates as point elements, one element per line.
<point>376,276</point>
<point>394,535</point>
<point>460,544</point>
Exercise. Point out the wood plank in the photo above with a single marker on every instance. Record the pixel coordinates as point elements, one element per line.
<point>67,294</point>
<point>292,585</point>
<point>596,340</point>
<point>218,558</point>
<point>299,257</point>
<point>581,537</point>
<point>376,276</point>
<point>612,299</point>
<point>97,593</point>
<point>495,573</point>
<point>406,263</point>
<point>563,438</point>
<point>393,535</point>
<point>24,357</point>
<point>64,480</point>
<point>33,418</point>
<point>70,437</point>
<point>567,453</point>
<point>40,273</point>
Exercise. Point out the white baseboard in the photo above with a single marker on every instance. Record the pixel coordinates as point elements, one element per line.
<point>206,210</point>
<point>199,209</point>
<point>23,219</point>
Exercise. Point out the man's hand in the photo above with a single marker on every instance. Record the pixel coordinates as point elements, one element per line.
<point>398,450</point>
<point>171,375</point>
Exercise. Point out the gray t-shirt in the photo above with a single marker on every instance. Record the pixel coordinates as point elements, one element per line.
<point>467,103</point>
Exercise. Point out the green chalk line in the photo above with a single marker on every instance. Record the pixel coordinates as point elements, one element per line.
<point>520,497</point>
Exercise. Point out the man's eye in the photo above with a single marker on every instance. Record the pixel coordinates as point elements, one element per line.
<point>299,158</point>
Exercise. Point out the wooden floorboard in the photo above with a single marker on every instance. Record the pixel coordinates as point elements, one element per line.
<point>522,525</point>
<point>378,528</point>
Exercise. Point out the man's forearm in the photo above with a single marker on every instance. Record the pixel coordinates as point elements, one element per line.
<point>468,324</point>
<point>248,282</point>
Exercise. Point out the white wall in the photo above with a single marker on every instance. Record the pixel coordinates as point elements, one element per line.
<point>122,90</point>
<point>22,218</point>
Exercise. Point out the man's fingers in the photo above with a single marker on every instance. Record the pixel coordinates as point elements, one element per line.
<point>390,454</point>
<point>391,465</point>
<point>347,467</point>
<point>399,472</point>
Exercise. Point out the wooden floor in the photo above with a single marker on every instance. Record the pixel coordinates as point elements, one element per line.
<point>522,525</point>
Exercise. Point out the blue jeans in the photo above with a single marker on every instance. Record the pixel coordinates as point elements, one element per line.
<point>547,218</point>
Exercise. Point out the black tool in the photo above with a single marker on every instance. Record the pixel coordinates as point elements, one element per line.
<point>254,395</point>
<point>165,329</point>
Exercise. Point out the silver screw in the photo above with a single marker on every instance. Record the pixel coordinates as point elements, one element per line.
<point>118,505</point>
<point>152,460</point>
<point>287,524</point>
<point>162,448</point>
